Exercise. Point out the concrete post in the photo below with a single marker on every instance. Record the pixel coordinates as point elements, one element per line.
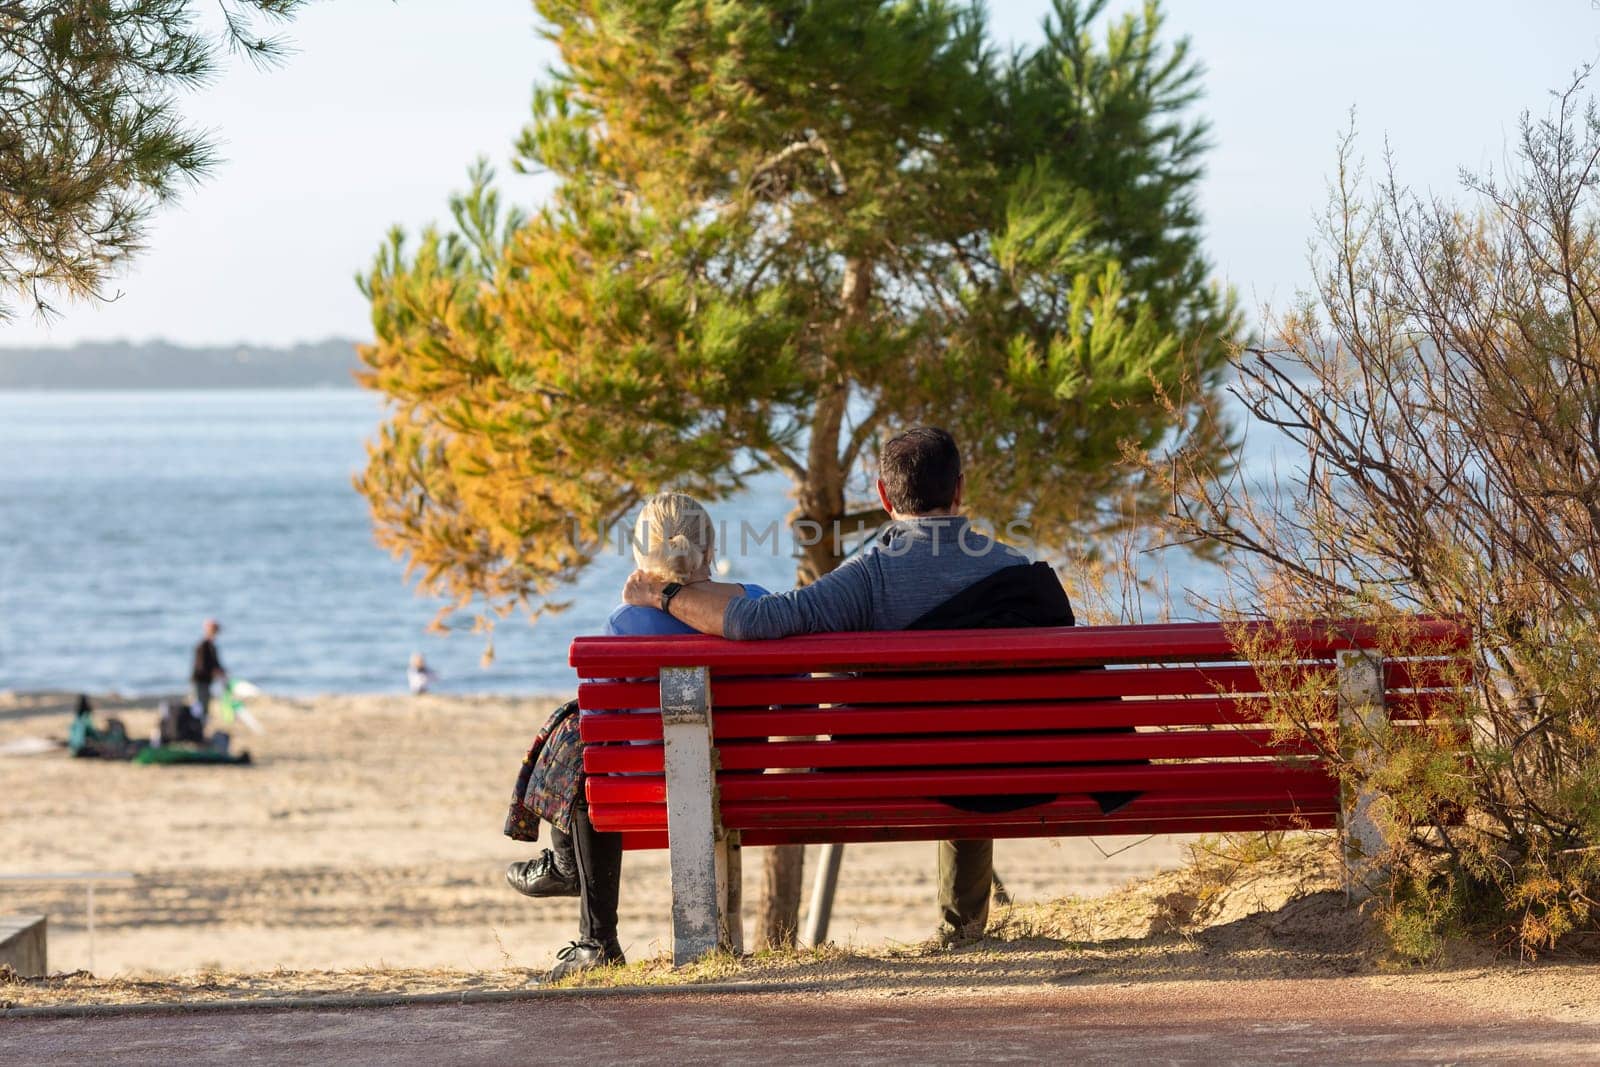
<point>1361,719</point>
<point>691,811</point>
<point>24,944</point>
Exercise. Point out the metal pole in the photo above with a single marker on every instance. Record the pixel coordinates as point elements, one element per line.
<point>88,877</point>
<point>822,890</point>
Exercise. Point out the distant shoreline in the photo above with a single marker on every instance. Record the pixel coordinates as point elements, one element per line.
<point>121,366</point>
<point>217,387</point>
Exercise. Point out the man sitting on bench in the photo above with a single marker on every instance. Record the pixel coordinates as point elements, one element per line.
<point>928,570</point>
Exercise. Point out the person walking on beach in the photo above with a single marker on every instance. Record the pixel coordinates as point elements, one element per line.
<point>207,668</point>
<point>927,570</point>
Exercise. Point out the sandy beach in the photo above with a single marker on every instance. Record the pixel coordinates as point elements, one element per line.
<point>367,834</point>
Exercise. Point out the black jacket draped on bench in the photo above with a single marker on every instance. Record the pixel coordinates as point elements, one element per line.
<point>1026,595</point>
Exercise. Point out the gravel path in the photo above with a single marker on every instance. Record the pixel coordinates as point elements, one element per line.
<point>1249,1022</point>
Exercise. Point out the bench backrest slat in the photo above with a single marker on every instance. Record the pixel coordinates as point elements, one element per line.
<point>967,687</point>
<point>1187,642</point>
<point>853,719</point>
<point>1002,749</point>
<point>958,782</point>
<point>878,733</point>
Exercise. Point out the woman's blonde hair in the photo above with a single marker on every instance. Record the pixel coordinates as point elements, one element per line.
<point>673,538</point>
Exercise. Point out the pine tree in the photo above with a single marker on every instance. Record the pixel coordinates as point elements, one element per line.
<point>781,230</point>
<point>90,137</point>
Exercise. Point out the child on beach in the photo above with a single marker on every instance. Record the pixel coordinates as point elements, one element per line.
<point>419,676</point>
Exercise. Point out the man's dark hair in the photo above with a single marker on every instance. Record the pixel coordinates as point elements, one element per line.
<point>920,470</point>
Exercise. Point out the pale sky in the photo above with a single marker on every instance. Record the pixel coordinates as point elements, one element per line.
<point>375,119</point>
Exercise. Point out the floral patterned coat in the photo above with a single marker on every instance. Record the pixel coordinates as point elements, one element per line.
<point>551,775</point>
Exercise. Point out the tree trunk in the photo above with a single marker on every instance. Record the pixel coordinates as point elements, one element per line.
<point>821,497</point>
<point>778,917</point>
<point>821,510</point>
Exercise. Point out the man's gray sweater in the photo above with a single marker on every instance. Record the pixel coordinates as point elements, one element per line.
<point>913,567</point>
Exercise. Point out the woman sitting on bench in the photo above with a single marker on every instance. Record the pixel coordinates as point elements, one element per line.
<point>674,541</point>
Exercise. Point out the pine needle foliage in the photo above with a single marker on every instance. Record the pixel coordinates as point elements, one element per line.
<point>780,231</point>
<point>91,140</point>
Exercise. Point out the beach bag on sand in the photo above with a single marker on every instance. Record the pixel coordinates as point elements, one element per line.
<point>550,777</point>
<point>180,723</point>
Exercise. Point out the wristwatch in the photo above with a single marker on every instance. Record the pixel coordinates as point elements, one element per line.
<point>668,591</point>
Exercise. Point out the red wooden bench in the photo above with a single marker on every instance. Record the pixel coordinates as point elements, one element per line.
<point>907,723</point>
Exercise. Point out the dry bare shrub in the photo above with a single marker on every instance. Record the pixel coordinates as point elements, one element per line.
<point>1439,399</point>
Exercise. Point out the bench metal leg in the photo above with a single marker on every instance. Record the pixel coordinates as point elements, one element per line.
<point>1361,719</point>
<point>691,812</point>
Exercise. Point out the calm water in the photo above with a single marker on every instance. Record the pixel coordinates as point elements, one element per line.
<point>126,518</point>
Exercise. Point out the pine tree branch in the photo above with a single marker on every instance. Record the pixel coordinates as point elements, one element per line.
<point>812,143</point>
<point>788,463</point>
<point>859,438</point>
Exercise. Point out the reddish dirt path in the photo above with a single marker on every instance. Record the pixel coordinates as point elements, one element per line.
<point>1257,1022</point>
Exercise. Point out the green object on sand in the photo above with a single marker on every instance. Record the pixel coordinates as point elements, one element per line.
<point>182,752</point>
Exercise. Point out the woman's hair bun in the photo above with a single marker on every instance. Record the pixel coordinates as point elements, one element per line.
<point>673,538</point>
